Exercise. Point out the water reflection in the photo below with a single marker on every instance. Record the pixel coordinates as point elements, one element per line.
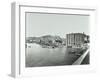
<point>38,56</point>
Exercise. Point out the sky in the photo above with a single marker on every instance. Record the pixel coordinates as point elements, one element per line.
<point>40,24</point>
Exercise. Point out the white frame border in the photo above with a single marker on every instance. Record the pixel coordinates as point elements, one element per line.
<point>17,69</point>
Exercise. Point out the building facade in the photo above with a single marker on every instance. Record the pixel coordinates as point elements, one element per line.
<point>76,40</point>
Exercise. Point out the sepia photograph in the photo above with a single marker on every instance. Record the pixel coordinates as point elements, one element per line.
<point>56,39</point>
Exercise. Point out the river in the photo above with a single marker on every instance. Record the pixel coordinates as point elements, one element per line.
<point>37,56</point>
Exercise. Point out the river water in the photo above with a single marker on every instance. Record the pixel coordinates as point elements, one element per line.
<point>37,56</point>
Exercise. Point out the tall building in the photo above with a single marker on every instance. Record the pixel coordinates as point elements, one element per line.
<point>76,40</point>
